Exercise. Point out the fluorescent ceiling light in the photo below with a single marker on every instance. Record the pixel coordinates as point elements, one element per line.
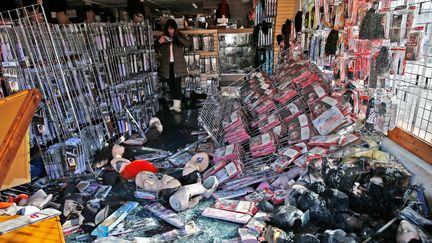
<point>194,5</point>
<point>157,10</point>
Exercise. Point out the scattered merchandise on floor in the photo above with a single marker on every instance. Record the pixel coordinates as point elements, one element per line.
<point>289,172</point>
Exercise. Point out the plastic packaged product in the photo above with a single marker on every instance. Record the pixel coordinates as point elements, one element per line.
<point>292,110</point>
<point>300,134</point>
<point>229,152</point>
<point>266,107</point>
<point>325,141</point>
<point>300,121</point>
<point>262,194</point>
<point>285,96</point>
<point>317,151</point>
<point>258,120</point>
<point>240,218</point>
<point>229,171</point>
<point>286,157</point>
<point>166,214</point>
<point>238,206</point>
<point>225,194</point>
<point>323,105</point>
<point>248,235</point>
<point>349,139</point>
<point>302,77</point>
<point>114,219</point>
<point>279,131</point>
<point>279,197</point>
<point>214,169</point>
<point>258,222</point>
<point>329,121</point>
<point>314,92</point>
<point>271,122</point>
<point>263,145</point>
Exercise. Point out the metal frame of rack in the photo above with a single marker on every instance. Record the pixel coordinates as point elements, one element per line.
<point>90,76</point>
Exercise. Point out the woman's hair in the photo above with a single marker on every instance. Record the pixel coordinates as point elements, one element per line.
<point>170,23</point>
<point>279,38</point>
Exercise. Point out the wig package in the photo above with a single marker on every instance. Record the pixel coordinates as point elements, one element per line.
<point>371,27</point>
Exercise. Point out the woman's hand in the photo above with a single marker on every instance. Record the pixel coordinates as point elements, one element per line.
<point>162,39</point>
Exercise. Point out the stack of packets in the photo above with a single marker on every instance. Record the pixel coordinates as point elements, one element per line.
<point>269,123</point>
<point>229,152</point>
<point>286,157</point>
<point>225,170</point>
<point>236,211</point>
<point>299,129</point>
<point>263,145</point>
<point>235,128</point>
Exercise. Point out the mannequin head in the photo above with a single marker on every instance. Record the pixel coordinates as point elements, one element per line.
<point>406,232</point>
<point>118,163</point>
<point>150,181</point>
<point>199,162</point>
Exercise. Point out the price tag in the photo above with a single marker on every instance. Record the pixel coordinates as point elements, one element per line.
<point>231,169</point>
<point>305,133</point>
<point>319,91</point>
<point>330,101</point>
<point>291,153</point>
<point>229,149</point>
<point>303,120</point>
<point>293,108</point>
<point>265,138</point>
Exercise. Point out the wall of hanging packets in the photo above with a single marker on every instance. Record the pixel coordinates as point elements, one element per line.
<point>377,47</point>
<point>293,117</point>
<point>88,74</point>
<point>263,14</point>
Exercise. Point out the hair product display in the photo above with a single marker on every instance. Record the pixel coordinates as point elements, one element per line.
<point>93,77</point>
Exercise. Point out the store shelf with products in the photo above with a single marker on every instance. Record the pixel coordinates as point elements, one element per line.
<point>236,53</point>
<point>80,69</point>
<point>384,57</point>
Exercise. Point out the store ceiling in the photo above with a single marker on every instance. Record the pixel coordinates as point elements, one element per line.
<point>176,6</point>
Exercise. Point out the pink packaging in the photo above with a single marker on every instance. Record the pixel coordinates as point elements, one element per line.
<point>323,105</point>
<point>314,92</point>
<point>229,171</point>
<point>229,152</point>
<point>299,135</point>
<point>300,121</point>
<point>279,197</point>
<point>329,121</point>
<point>286,157</point>
<point>261,142</point>
<point>235,217</point>
<point>292,110</point>
<point>260,195</point>
<point>325,141</point>
<point>258,223</point>
<point>271,122</point>
<point>236,206</point>
<point>286,95</point>
<point>214,169</point>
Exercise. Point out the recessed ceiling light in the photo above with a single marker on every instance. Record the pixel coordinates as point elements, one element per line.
<point>194,5</point>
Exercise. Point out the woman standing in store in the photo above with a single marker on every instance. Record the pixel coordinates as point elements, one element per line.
<point>172,64</point>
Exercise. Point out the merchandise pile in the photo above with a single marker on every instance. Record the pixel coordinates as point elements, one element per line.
<point>300,169</point>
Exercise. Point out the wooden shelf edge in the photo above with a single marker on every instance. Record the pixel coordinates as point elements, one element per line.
<point>411,143</point>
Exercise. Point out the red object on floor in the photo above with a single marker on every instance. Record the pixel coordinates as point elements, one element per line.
<point>132,169</point>
<point>5,204</point>
<point>20,197</point>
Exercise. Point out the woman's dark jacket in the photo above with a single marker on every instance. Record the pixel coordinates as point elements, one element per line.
<point>180,68</point>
